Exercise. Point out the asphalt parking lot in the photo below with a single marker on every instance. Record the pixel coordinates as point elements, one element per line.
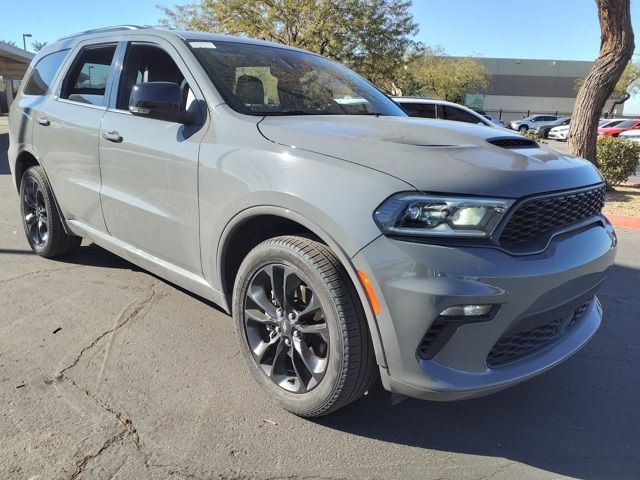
<point>109,372</point>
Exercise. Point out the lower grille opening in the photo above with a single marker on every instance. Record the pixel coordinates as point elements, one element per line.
<point>513,347</point>
<point>425,349</point>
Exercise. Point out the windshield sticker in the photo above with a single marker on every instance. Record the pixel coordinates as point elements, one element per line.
<point>202,45</point>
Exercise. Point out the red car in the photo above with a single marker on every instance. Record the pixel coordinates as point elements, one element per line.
<point>619,128</point>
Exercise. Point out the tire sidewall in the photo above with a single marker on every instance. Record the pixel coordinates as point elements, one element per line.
<point>312,401</point>
<point>31,173</point>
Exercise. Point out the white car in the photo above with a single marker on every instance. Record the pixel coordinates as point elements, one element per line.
<point>632,134</point>
<point>441,109</point>
<point>532,122</point>
<point>562,132</point>
<point>559,133</point>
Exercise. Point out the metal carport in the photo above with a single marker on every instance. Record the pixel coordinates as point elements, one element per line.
<point>13,65</point>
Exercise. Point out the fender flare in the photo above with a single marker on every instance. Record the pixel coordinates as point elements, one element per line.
<point>63,220</point>
<point>323,235</point>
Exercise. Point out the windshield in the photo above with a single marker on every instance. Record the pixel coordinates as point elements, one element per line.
<point>265,80</point>
<point>626,124</point>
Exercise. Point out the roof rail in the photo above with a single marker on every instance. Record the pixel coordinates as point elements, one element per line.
<point>115,28</point>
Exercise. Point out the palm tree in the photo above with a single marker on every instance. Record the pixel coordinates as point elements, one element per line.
<point>37,46</point>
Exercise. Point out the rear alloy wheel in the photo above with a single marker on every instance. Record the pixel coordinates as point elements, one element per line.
<point>301,327</point>
<point>40,217</point>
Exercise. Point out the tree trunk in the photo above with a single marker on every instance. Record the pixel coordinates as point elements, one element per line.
<point>616,49</point>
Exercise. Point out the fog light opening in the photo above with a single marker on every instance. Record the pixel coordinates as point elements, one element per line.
<point>467,311</point>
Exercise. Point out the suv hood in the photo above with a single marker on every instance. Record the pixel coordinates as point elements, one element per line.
<point>434,155</point>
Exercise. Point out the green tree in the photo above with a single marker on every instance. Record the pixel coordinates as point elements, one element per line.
<point>9,42</point>
<point>37,46</point>
<point>370,36</point>
<point>435,74</point>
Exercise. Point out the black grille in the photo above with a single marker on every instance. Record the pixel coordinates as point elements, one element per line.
<point>437,327</point>
<point>514,347</point>
<point>540,215</point>
<point>513,142</point>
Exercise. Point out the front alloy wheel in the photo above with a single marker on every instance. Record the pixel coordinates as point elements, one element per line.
<point>301,327</point>
<point>286,328</point>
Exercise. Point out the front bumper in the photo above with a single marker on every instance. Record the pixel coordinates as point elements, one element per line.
<point>416,281</point>
<point>558,135</point>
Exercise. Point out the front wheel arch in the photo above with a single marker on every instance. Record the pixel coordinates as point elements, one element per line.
<point>305,227</point>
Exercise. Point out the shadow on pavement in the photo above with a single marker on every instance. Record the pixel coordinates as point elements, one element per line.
<point>581,419</point>
<point>93,255</point>
<point>4,160</point>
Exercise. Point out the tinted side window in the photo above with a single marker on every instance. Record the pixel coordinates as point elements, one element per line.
<point>43,73</point>
<point>87,79</point>
<point>148,63</point>
<point>423,110</point>
<point>459,115</point>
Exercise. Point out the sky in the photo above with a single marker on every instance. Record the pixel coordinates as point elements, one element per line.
<point>549,29</point>
<point>544,29</point>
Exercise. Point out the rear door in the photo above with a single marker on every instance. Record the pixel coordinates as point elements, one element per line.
<point>150,167</point>
<point>66,130</point>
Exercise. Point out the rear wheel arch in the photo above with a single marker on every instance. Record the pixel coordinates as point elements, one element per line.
<point>24,161</point>
<point>233,248</point>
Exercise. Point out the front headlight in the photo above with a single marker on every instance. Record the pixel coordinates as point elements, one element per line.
<point>415,214</point>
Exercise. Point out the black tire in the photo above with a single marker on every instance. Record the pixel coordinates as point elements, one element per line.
<point>350,360</point>
<point>36,199</point>
<point>523,128</point>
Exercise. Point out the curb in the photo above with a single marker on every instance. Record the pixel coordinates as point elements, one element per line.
<point>624,221</point>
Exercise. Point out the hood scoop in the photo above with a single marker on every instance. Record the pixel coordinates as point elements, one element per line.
<point>513,142</point>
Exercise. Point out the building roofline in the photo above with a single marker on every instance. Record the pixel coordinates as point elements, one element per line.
<point>18,52</point>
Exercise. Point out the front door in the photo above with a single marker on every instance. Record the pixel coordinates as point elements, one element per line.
<point>150,167</point>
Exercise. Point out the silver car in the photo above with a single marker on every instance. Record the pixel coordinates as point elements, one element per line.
<point>350,242</point>
<point>532,122</point>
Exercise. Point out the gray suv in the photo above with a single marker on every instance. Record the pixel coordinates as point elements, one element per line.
<point>533,122</point>
<point>350,242</point>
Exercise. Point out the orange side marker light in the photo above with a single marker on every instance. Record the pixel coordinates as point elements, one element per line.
<point>371,295</point>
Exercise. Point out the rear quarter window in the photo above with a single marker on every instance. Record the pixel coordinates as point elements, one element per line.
<point>459,115</point>
<point>423,110</point>
<point>39,82</point>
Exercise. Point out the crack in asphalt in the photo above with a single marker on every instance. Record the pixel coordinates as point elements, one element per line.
<point>117,325</point>
<point>38,272</point>
<point>80,466</point>
<point>128,429</point>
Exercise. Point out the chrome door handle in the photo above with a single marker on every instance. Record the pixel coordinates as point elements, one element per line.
<point>44,121</point>
<point>112,136</point>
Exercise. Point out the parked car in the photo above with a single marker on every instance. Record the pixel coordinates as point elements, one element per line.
<point>348,241</point>
<point>441,109</point>
<point>633,134</point>
<point>614,131</point>
<point>532,122</point>
<point>562,132</point>
<point>610,122</point>
<point>543,130</point>
<point>559,133</point>
<point>496,121</point>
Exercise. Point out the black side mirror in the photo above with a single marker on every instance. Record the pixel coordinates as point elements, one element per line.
<point>159,100</point>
